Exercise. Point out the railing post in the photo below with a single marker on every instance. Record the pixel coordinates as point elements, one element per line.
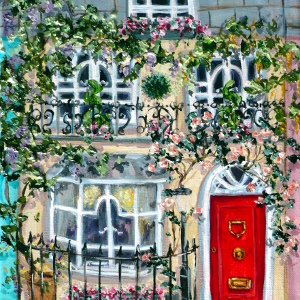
<point>120,253</point>
<point>170,272</point>
<point>117,108</point>
<point>137,256</point>
<point>70,271</point>
<point>84,252</point>
<point>154,272</point>
<point>99,275</point>
<point>42,243</point>
<point>55,246</point>
<point>31,266</point>
<point>195,267</point>
<point>18,266</point>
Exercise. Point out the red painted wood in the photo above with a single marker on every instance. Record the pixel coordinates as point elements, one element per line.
<point>222,263</point>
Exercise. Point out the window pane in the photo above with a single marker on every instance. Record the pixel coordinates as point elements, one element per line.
<point>251,70</point>
<point>65,224</point>
<point>123,227</point>
<point>139,2</point>
<point>214,64</point>
<point>65,85</point>
<point>147,198</point>
<point>162,15</point>
<point>91,194</point>
<point>125,195</point>
<point>236,62</point>
<point>66,194</point>
<point>95,227</point>
<point>201,73</point>
<point>123,96</point>
<point>147,230</point>
<point>182,2</point>
<point>237,80</point>
<point>82,57</point>
<point>161,2</point>
<point>105,76</point>
<point>218,83</point>
<point>83,76</point>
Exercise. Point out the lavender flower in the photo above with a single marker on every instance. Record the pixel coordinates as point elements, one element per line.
<point>67,50</point>
<point>151,59</point>
<point>175,68</point>
<point>33,15</point>
<point>78,170</point>
<point>48,7</point>
<point>11,157</point>
<point>22,130</point>
<point>8,23</point>
<point>15,61</point>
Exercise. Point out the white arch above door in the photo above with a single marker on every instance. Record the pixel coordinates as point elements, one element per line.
<point>226,180</point>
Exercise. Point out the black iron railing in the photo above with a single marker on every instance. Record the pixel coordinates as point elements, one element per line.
<point>62,119</point>
<point>55,250</point>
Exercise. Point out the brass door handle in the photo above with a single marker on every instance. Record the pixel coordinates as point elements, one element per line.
<point>238,235</point>
<point>236,283</point>
<point>239,253</point>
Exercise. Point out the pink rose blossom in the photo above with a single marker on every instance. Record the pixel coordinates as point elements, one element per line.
<point>152,167</point>
<point>161,206</point>
<point>266,170</point>
<point>221,135</point>
<point>175,138</point>
<point>163,163</point>
<point>155,148</point>
<point>260,200</point>
<point>251,187</point>
<point>255,134</point>
<point>265,133</point>
<point>197,212</point>
<point>207,116</point>
<point>260,140</point>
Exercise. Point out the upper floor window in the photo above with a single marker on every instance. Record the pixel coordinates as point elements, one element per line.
<point>161,8</point>
<point>209,83</point>
<point>67,117</point>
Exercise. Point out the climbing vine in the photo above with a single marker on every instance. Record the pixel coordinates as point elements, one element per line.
<point>45,36</point>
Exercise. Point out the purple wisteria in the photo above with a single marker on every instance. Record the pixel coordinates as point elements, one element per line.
<point>33,15</point>
<point>48,7</point>
<point>8,23</point>
<point>67,50</point>
<point>11,158</point>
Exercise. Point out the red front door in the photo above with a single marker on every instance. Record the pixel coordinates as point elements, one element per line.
<point>237,248</point>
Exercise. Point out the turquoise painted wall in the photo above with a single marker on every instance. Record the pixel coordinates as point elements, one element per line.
<point>7,258</point>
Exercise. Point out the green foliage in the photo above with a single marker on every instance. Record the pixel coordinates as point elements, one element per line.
<point>156,86</point>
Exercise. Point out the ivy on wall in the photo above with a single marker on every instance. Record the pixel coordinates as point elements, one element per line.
<point>49,33</point>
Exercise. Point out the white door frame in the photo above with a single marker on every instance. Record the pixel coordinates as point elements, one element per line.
<point>204,237</point>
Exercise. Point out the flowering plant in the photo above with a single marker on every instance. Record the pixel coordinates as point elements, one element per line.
<point>143,293</point>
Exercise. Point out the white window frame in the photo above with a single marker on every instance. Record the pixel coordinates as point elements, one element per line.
<point>173,9</point>
<point>79,212</point>
<point>94,73</point>
<point>226,66</point>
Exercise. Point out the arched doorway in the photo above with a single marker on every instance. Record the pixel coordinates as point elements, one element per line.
<point>230,181</point>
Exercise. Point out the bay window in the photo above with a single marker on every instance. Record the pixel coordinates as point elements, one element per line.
<point>108,212</point>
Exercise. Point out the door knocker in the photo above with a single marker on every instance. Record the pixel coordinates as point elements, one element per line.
<point>238,235</point>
